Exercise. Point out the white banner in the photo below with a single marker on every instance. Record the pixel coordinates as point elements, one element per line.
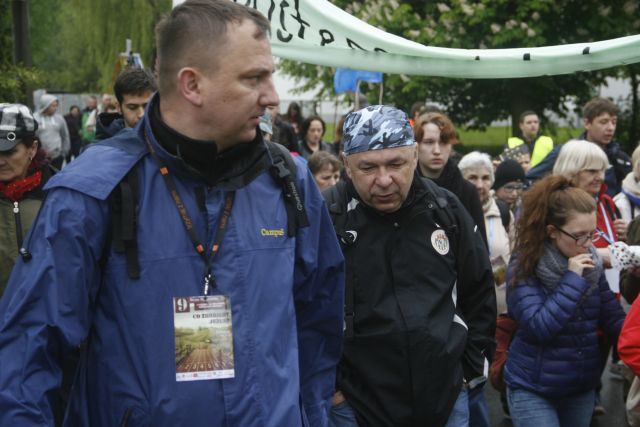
<point>317,32</point>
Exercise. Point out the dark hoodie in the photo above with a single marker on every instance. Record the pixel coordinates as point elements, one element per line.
<point>108,125</point>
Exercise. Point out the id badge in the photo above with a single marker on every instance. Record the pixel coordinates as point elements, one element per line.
<point>203,337</point>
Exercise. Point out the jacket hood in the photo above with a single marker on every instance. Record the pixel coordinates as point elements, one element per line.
<point>45,101</point>
<point>108,124</point>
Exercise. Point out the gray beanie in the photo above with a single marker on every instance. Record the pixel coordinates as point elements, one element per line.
<point>45,101</point>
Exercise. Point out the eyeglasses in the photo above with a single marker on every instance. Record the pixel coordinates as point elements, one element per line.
<point>580,240</point>
<point>513,187</point>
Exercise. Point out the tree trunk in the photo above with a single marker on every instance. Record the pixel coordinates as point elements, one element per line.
<point>634,132</point>
<point>22,43</point>
<point>517,105</point>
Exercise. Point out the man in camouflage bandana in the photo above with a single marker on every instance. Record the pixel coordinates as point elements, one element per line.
<point>419,299</point>
<point>368,133</point>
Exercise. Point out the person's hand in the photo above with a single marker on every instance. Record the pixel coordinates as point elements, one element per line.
<point>338,398</point>
<point>579,262</point>
<point>620,227</point>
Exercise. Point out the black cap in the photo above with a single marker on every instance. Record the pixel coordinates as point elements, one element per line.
<point>508,170</point>
<point>16,122</point>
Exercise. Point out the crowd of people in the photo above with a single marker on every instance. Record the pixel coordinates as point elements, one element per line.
<point>187,255</point>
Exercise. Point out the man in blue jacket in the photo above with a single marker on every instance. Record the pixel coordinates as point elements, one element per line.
<point>223,309</point>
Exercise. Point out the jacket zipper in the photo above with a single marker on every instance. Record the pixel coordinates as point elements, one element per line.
<point>16,214</point>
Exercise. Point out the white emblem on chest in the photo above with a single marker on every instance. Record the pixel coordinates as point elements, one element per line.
<point>440,242</point>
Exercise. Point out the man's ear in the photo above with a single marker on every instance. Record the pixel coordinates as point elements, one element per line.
<point>345,161</point>
<point>586,123</point>
<point>189,85</point>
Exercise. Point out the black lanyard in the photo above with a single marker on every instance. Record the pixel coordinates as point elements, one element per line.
<point>209,280</point>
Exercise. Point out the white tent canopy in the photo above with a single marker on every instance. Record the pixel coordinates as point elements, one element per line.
<point>317,32</point>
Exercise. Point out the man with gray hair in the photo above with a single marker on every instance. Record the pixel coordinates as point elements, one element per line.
<point>194,261</point>
<point>419,303</point>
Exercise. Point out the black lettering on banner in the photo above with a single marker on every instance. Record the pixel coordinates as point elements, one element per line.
<point>379,49</point>
<point>283,35</point>
<point>248,4</point>
<point>298,18</point>
<point>272,7</point>
<point>327,37</point>
<point>353,44</point>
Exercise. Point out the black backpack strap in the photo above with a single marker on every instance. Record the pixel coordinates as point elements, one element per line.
<point>336,199</point>
<point>505,214</point>
<point>123,202</point>
<point>283,170</point>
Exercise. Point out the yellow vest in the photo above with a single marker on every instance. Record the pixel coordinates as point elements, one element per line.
<point>541,147</point>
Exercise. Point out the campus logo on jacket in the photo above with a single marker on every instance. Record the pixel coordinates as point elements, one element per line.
<point>440,241</point>
<point>278,232</point>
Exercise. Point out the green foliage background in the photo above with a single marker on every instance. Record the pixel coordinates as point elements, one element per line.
<point>14,79</point>
<point>75,43</point>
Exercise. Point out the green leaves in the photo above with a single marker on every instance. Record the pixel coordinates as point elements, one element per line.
<point>489,24</point>
<point>77,42</point>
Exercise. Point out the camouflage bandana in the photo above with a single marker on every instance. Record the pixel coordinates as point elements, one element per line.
<point>375,128</point>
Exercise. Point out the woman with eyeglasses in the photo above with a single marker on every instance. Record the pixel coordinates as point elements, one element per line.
<point>509,183</point>
<point>558,294</point>
<point>584,165</point>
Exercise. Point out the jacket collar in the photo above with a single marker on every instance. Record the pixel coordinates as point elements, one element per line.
<point>191,158</point>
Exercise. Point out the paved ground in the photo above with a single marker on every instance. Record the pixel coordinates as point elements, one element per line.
<point>611,399</point>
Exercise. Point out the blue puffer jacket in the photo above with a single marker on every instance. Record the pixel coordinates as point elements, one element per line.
<point>555,350</point>
<point>286,296</point>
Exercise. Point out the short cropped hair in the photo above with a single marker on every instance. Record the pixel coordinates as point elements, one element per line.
<point>448,133</point>
<point>133,81</point>
<point>320,159</point>
<point>475,160</point>
<point>578,155</point>
<point>192,33</point>
<point>597,106</point>
<point>527,113</point>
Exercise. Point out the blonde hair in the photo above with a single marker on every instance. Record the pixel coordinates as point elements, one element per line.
<point>578,155</point>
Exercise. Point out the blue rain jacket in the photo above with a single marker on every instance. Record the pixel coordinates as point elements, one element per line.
<point>286,296</point>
